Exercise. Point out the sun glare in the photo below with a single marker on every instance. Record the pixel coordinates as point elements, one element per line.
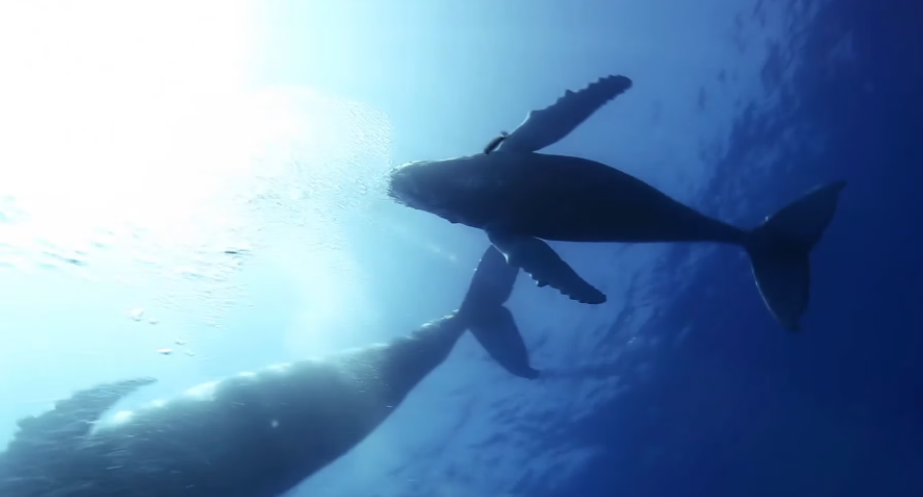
<point>136,124</point>
<point>121,110</point>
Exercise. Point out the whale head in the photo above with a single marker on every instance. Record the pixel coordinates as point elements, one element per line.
<point>449,188</point>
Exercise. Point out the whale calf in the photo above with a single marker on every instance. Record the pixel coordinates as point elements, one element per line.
<point>255,434</point>
<point>520,197</point>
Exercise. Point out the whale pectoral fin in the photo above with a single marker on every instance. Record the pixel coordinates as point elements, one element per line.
<point>489,321</point>
<point>74,416</point>
<point>497,332</point>
<point>544,265</point>
<point>547,126</point>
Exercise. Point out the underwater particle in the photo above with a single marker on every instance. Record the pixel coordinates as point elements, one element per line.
<point>180,341</point>
<point>153,321</point>
<point>165,351</point>
<point>241,250</point>
<point>136,313</point>
<point>190,353</point>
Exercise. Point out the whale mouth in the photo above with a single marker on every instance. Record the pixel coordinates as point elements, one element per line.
<point>401,185</point>
<point>443,188</point>
<point>406,186</point>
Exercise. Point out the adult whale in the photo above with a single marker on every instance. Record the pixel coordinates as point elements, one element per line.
<point>519,197</point>
<point>255,434</point>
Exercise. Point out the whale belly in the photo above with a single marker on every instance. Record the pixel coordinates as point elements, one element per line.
<point>251,435</point>
<point>572,199</point>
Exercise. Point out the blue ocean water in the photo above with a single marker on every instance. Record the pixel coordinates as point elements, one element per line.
<point>205,248</point>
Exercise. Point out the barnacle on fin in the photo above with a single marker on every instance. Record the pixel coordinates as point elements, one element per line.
<point>495,142</point>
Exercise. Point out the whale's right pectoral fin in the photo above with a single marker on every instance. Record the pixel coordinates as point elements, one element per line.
<point>547,126</point>
<point>544,265</point>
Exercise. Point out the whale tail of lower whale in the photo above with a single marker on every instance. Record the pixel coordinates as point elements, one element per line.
<point>779,251</point>
<point>489,321</point>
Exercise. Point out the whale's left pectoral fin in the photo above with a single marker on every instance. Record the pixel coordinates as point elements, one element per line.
<point>497,332</point>
<point>545,127</point>
<point>489,321</point>
<point>544,265</point>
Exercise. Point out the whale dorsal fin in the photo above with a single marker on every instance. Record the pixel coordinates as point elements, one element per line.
<point>547,126</point>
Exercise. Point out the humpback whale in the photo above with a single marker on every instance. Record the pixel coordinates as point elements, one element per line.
<point>521,198</point>
<point>254,434</point>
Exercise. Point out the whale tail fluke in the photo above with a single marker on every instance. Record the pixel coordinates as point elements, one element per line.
<point>779,252</point>
<point>489,321</point>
